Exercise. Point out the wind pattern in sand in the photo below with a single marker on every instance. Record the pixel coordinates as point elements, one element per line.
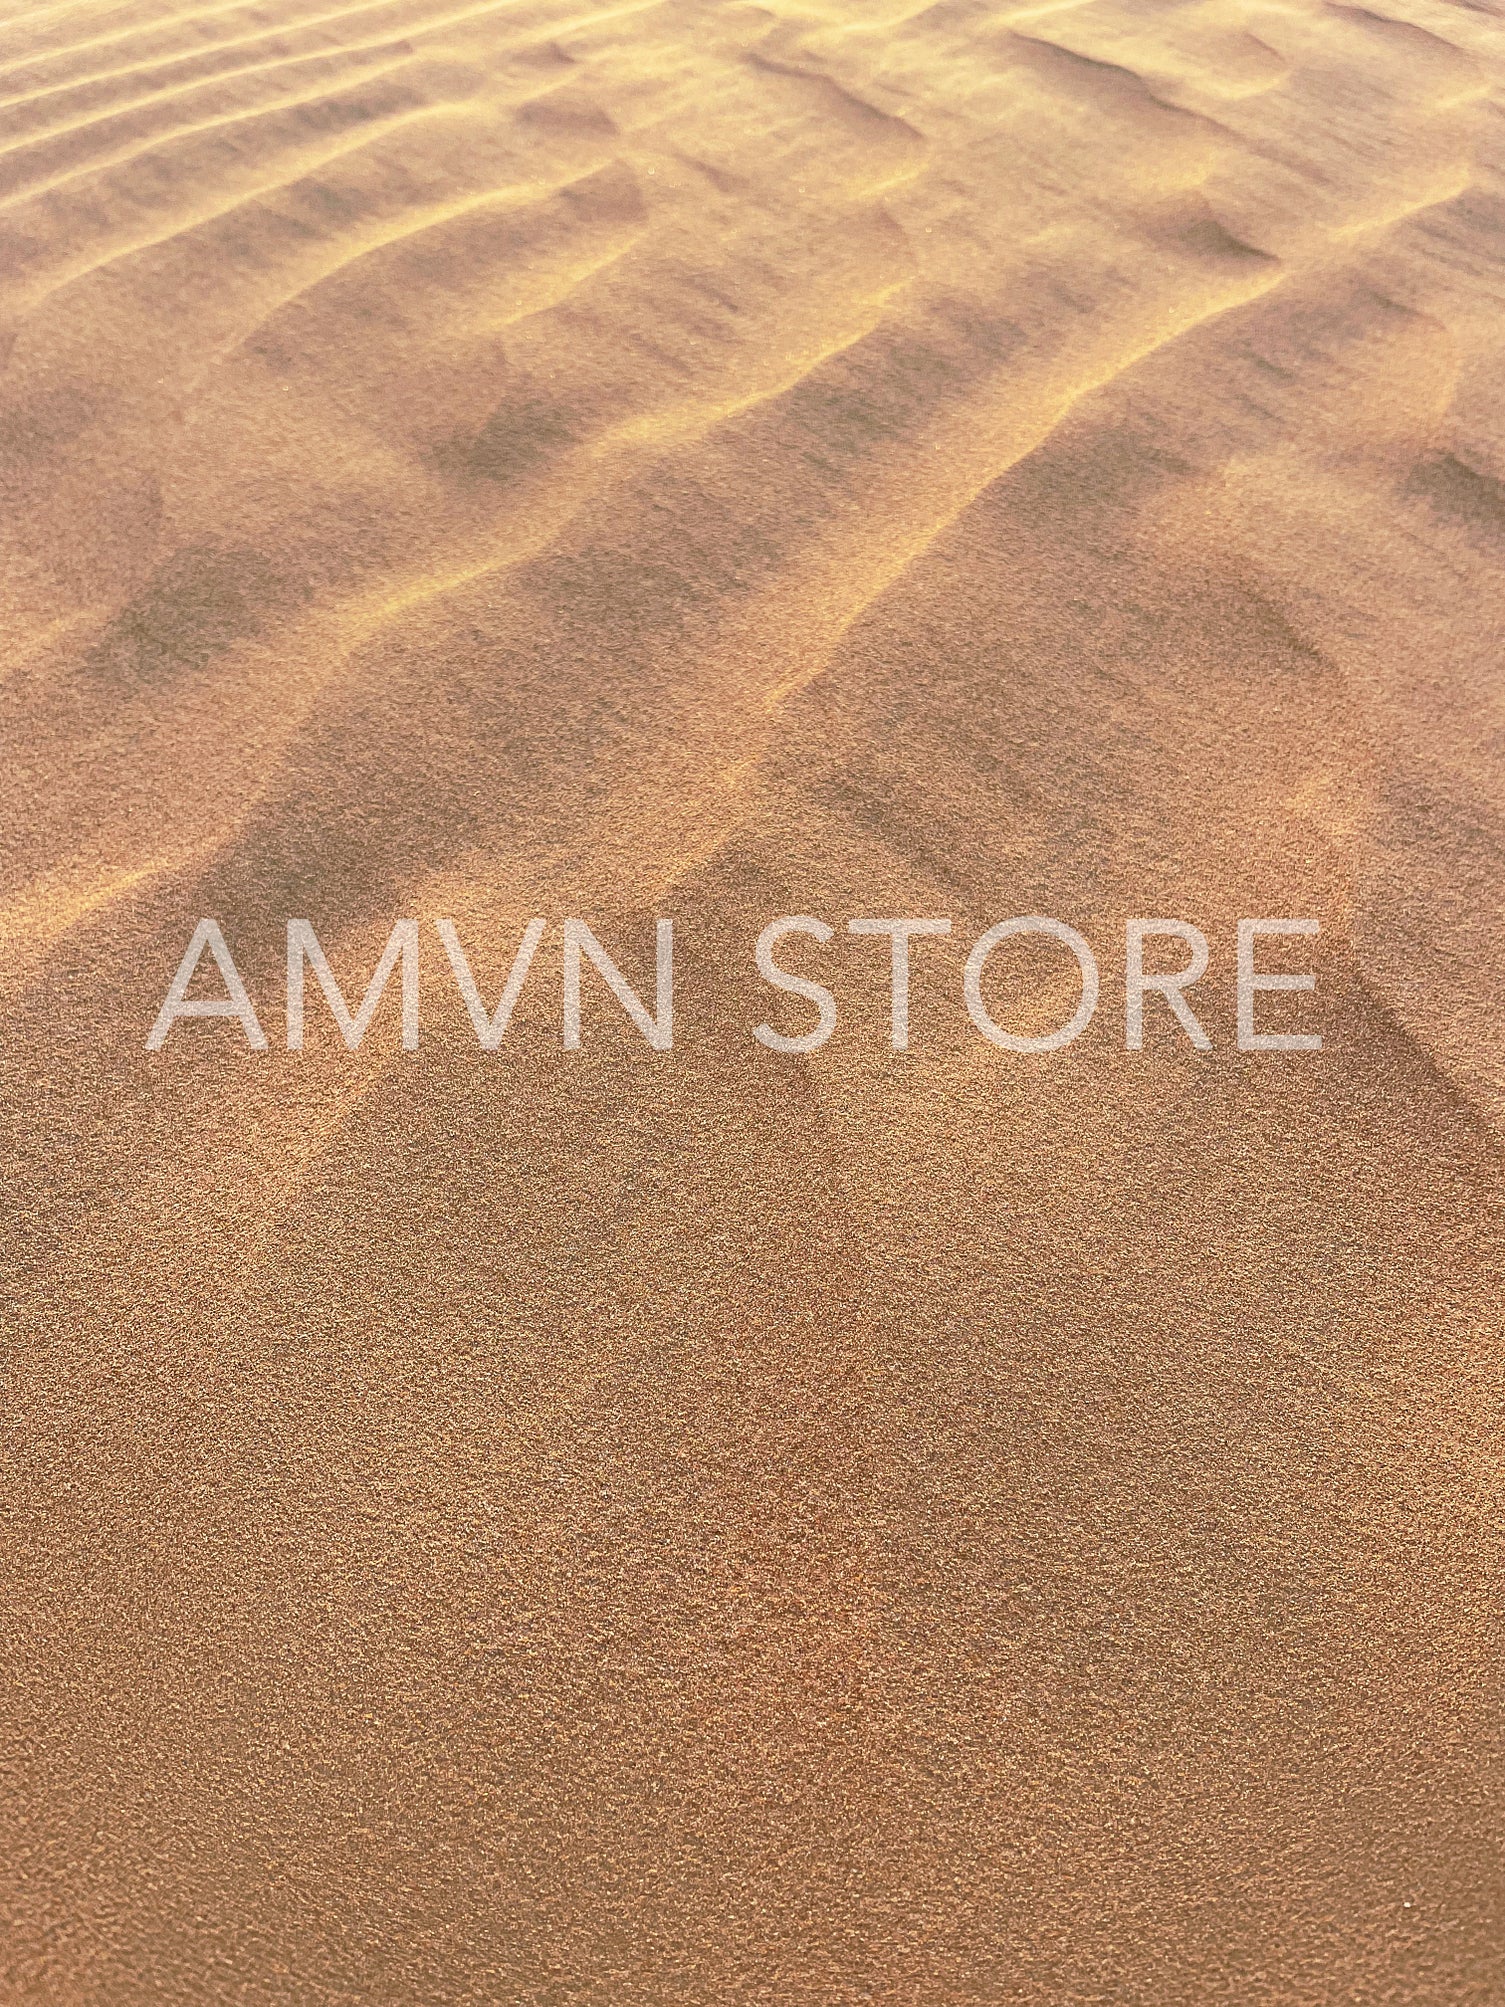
<point>558,1528</point>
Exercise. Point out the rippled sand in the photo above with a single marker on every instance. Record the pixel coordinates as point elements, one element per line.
<point>617,1528</point>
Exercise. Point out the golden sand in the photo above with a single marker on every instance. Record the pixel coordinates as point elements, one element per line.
<point>622,1528</point>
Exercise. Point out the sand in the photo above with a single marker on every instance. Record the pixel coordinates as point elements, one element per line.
<point>716,1527</point>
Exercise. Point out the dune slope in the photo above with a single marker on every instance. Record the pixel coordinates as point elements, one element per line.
<point>608,1527</point>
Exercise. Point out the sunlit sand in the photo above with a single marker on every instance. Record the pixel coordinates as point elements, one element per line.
<point>544,1526</point>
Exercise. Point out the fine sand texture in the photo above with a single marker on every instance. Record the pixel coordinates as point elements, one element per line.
<point>608,1528</point>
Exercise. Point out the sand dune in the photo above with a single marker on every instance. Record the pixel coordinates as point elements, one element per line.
<point>601,1527</point>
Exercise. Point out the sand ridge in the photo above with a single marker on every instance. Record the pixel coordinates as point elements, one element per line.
<point>555,1527</point>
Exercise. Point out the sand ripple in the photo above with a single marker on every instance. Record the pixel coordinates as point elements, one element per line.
<point>550,1527</point>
